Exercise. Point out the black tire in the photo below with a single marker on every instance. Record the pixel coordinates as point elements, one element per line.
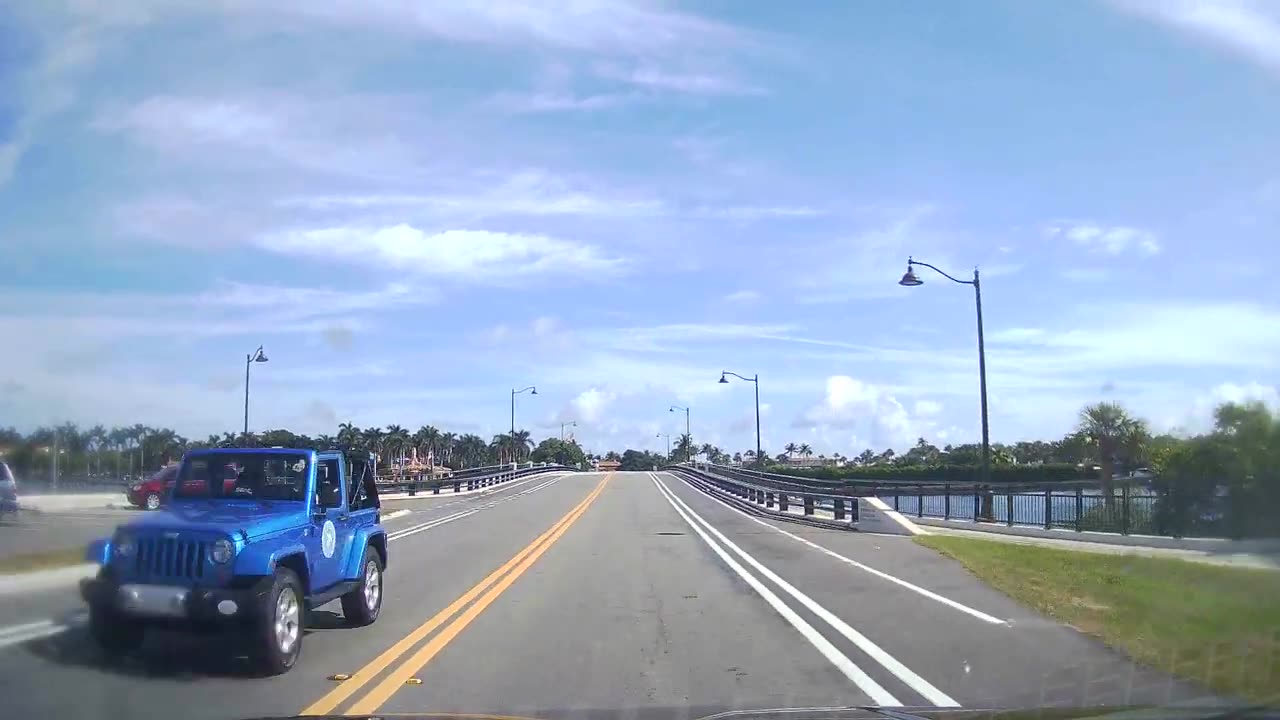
<point>361,606</point>
<point>271,654</point>
<point>115,633</point>
<point>151,501</point>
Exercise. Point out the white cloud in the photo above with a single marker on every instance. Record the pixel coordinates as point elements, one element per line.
<point>875,415</point>
<point>742,296</point>
<point>692,83</point>
<point>1248,28</point>
<point>474,254</point>
<point>589,406</point>
<point>1112,240</point>
<point>927,408</point>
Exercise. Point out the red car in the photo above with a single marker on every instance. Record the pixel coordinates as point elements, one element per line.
<point>153,492</point>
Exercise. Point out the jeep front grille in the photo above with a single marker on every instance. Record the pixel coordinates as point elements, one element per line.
<point>165,558</point>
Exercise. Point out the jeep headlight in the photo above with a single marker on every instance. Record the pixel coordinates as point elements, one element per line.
<point>222,551</point>
<point>124,545</point>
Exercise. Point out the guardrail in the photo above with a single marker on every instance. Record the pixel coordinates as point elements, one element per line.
<point>1078,506</point>
<point>796,503</point>
<point>470,482</point>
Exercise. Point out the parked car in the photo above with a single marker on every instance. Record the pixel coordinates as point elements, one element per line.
<point>8,491</point>
<point>292,530</point>
<point>154,492</point>
<point>151,493</point>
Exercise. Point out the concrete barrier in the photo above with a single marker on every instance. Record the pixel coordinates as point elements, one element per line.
<point>74,501</point>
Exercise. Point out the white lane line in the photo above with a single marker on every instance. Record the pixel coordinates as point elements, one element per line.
<point>878,694</point>
<point>395,514</point>
<point>878,573</point>
<point>890,663</point>
<point>428,525</point>
<point>18,634</point>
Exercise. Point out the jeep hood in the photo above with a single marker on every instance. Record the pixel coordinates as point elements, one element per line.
<point>224,516</point>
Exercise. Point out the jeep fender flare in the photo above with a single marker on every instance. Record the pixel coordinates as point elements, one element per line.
<point>261,559</point>
<point>374,537</point>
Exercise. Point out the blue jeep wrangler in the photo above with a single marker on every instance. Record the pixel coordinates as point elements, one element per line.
<point>251,539</point>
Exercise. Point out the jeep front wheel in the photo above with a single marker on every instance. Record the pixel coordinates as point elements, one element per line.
<point>279,630</point>
<point>115,633</point>
<point>152,501</point>
<point>361,605</point>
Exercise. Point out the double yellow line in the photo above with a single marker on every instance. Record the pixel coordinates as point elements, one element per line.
<point>487,590</point>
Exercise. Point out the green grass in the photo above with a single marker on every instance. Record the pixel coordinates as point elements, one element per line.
<point>1217,625</point>
<point>41,561</point>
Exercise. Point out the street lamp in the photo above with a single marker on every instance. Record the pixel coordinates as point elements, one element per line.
<point>532,390</point>
<point>571,423</point>
<point>257,356</point>
<point>688,451</point>
<point>756,380</point>
<point>910,279</point>
<point>668,437</point>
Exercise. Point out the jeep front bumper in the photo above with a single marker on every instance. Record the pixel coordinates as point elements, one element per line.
<point>199,605</point>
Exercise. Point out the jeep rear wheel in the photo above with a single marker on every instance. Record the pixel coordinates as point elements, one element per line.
<point>278,633</point>
<point>361,605</point>
<point>115,633</point>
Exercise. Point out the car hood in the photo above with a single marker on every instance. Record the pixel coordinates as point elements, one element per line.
<point>255,518</point>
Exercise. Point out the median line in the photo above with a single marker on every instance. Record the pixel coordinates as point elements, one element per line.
<point>366,674</point>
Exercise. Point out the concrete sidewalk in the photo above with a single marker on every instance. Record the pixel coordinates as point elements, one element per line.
<point>1253,560</point>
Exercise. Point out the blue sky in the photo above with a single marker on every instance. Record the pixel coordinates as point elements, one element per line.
<point>416,206</point>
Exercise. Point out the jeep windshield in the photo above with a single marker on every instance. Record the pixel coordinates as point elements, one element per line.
<point>243,476</point>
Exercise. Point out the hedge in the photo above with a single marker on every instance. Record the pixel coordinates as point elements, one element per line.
<point>959,474</point>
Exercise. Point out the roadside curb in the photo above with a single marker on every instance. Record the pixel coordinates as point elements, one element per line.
<point>45,579</point>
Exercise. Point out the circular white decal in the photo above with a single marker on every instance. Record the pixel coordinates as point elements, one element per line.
<point>328,539</point>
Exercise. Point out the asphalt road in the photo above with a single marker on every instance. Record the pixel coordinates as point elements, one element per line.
<point>631,595</point>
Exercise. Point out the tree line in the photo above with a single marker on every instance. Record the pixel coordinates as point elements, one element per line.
<point>98,452</point>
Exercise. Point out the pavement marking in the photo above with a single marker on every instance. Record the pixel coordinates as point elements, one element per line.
<point>26,632</point>
<point>395,514</point>
<point>429,524</point>
<point>878,573</point>
<point>364,675</point>
<point>878,694</point>
<point>383,691</point>
<point>890,663</point>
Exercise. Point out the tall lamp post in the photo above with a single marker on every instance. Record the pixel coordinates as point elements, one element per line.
<point>688,451</point>
<point>257,356</point>
<point>756,380</point>
<point>532,390</point>
<point>911,280</point>
<point>571,423</point>
<point>668,437</point>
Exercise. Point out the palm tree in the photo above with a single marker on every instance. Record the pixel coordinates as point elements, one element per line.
<point>349,436</point>
<point>373,441</point>
<point>790,449</point>
<point>1111,433</point>
<point>448,443</point>
<point>683,448</point>
<point>396,441</point>
<point>805,451</point>
<point>523,444</point>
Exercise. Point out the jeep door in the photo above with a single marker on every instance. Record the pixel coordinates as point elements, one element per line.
<point>331,537</point>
